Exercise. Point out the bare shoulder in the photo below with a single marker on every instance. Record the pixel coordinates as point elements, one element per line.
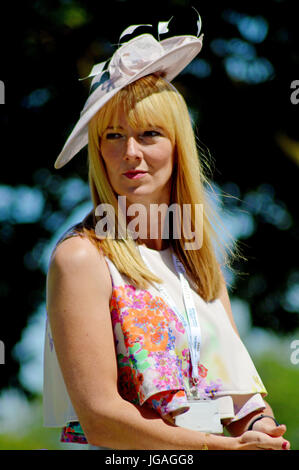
<point>77,258</point>
<point>75,250</point>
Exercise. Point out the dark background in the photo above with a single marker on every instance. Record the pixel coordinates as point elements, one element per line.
<point>239,93</point>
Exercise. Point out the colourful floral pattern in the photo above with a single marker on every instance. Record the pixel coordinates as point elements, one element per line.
<point>153,358</point>
<point>73,433</point>
<point>168,402</point>
<point>152,354</point>
<point>152,347</point>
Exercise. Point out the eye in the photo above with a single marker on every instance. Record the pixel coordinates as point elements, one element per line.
<point>151,133</point>
<point>113,136</point>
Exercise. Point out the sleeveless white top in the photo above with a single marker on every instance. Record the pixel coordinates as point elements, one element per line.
<point>153,355</point>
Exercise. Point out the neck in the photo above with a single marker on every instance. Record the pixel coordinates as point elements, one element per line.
<point>148,221</point>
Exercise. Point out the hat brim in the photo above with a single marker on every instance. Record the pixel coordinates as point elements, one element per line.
<point>169,65</point>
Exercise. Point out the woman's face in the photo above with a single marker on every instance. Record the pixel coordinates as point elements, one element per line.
<point>139,162</point>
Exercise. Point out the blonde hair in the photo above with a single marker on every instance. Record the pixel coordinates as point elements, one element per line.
<point>152,100</point>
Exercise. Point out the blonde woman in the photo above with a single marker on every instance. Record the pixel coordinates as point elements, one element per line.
<point>141,348</point>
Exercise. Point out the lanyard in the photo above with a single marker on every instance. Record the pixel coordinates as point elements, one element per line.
<point>191,325</point>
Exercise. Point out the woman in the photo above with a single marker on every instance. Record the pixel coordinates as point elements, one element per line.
<point>141,349</point>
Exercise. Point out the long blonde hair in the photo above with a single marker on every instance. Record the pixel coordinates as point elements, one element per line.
<point>153,99</point>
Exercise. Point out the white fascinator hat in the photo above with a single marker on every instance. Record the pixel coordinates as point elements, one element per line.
<point>141,56</point>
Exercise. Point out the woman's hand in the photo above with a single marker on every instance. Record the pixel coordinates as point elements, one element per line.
<point>257,440</point>
<point>268,426</point>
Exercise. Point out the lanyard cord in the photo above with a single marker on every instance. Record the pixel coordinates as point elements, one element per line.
<point>191,325</point>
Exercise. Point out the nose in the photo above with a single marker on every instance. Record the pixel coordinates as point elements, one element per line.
<point>133,149</point>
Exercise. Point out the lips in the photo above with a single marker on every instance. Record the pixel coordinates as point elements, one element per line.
<point>134,174</point>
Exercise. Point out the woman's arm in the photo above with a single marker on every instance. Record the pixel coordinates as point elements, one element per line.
<point>79,289</point>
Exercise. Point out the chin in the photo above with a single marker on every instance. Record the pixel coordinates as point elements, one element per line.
<point>142,193</point>
<point>138,191</point>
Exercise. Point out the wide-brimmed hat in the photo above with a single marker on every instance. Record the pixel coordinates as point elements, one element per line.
<point>140,56</point>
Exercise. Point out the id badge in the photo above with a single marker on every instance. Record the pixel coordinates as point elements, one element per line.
<point>203,415</point>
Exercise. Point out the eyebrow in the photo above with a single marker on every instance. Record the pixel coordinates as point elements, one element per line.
<point>120,127</point>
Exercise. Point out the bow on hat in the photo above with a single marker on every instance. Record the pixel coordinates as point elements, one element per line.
<point>144,51</point>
